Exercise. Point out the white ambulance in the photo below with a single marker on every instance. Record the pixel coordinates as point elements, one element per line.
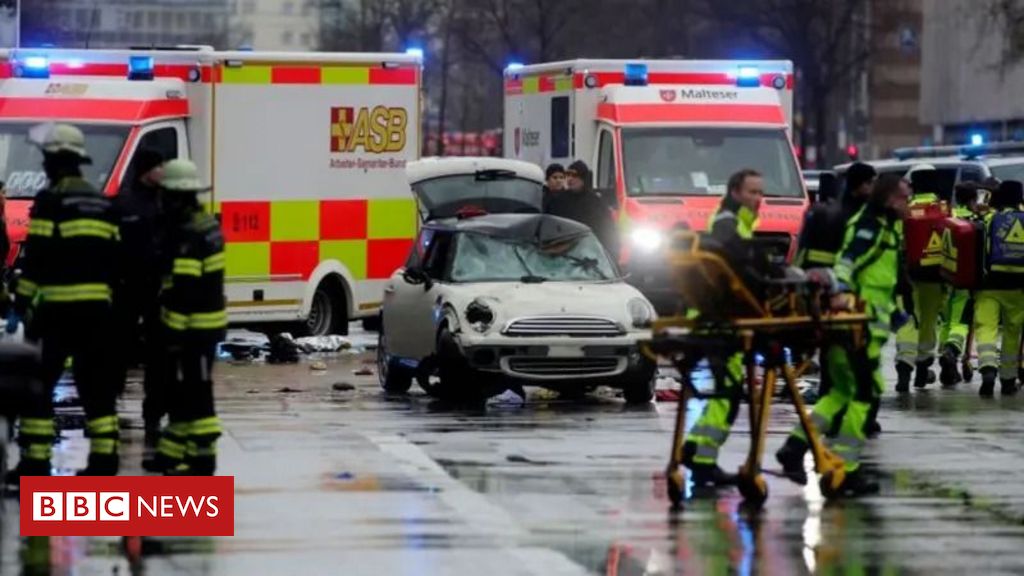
<point>306,154</point>
<point>662,139</point>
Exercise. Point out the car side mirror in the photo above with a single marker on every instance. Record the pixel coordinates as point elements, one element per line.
<point>416,276</point>
<point>609,197</point>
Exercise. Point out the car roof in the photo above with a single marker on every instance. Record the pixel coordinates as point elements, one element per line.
<point>1004,161</point>
<point>437,167</point>
<point>543,228</point>
<point>895,163</point>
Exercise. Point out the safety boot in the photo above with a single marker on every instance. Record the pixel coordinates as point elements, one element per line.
<point>949,376</point>
<point>903,373</point>
<point>857,483</point>
<point>101,465</point>
<point>791,457</point>
<point>1008,386</point>
<point>924,375</point>
<point>988,382</point>
<point>207,465</point>
<point>706,474</point>
<point>159,463</point>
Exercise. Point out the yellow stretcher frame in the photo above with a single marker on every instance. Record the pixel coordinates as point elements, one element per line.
<point>750,326</point>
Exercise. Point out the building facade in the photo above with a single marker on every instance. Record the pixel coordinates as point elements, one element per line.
<point>278,25</point>
<point>971,81</point>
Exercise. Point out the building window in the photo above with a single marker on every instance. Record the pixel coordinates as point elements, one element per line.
<point>307,8</point>
<point>167,20</point>
<point>306,39</point>
<point>288,8</point>
<point>249,7</point>
<point>209,21</point>
<point>182,19</point>
<point>287,38</point>
<point>196,19</point>
<point>152,18</point>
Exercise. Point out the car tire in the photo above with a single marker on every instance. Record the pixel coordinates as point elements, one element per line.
<point>639,389</point>
<point>457,380</point>
<point>394,377</point>
<point>328,313</point>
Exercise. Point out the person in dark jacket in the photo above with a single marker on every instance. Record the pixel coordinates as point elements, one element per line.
<point>825,225</point>
<point>5,249</point>
<point>579,202</point>
<point>137,308</point>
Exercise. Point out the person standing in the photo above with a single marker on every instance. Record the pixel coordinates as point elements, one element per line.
<point>579,202</point>
<point>868,268</point>
<point>959,306</point>
<point>70,269</point>
<point>1000,300</point>
<point>194,317</point>
<point>137,306</point>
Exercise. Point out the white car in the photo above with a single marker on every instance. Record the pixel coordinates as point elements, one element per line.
<point>495,294</point>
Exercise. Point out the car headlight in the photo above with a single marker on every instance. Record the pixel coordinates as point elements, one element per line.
<point>647,239</point>
<point>479,315</point>
<point>641,313</point>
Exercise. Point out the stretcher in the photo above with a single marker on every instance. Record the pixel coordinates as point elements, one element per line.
<point>792,313</point>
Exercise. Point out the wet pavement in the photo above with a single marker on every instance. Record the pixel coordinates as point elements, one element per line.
<point>337,481</point>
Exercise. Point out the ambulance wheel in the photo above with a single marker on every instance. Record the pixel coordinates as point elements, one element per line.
<point>831,483</point>
<point>753,488</point>
<point>328,314</point>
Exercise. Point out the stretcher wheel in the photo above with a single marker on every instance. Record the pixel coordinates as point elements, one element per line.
<point>967,371</point>
<point>674,483</point>
<point>753,488</point>
<point>831,483</point>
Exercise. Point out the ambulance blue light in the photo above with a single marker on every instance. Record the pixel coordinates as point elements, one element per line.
<point>140,68</point>
<point>977,139</point>
<point>748,77</point>
<point>514,66</point>
<point>415,51</point>
<point>636,75</point>
<point>35,67</point>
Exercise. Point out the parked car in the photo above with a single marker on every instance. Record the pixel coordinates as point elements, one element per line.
<point>490,300</point>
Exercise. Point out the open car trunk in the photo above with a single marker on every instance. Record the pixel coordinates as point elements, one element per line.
<point>478,189</point>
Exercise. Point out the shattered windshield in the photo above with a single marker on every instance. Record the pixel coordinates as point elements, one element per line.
<point>482,258</point>
<point>21,162</point>
<point>699,161</point>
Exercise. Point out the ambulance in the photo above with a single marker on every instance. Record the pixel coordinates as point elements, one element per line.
<point>662,138</point>
<point>306,154</point>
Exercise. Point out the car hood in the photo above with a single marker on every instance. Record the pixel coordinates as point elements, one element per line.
<point>511,300</point>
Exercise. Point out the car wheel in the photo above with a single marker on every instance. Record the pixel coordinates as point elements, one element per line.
<point>328,313</point>
<point>394,377</point>
<point>639,389</point>
<point>457,381</point>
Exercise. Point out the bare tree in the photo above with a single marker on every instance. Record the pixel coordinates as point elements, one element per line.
<point>826,39</point>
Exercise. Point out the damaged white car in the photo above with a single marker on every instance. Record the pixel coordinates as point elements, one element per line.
<point>487,301</point>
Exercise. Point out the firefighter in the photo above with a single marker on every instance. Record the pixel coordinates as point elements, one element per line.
<point>65,293</point>
<point>916,341</point>
<point>194,321</point>
<point>959,306</point>
<point>1000,297</point>
<point>868,267</point>
<point>138,309</point>
<point>731,228</point>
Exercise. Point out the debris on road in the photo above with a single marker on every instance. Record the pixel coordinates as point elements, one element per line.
<point>318,366</point>
<point>509,398</point>
<point>288,390</point>
<point>364,371</point>
<point>342,387</point>
<point>283,349</point>
<point>332,343</point>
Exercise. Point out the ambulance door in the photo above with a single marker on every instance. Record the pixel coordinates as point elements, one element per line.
<point>166,138</point>
<point>605,172</point>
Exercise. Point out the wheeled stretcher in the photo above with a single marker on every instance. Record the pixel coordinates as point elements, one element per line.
<point>793,313</point>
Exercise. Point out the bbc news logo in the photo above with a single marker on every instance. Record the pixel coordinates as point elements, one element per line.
<point>128,506</point>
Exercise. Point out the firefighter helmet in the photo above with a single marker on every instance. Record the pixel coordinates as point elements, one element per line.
<point>65,138</point>
<point>180,175</point>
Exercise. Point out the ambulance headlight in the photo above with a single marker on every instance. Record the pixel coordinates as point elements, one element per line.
<point>647,239</point>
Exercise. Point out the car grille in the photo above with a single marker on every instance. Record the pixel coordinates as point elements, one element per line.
<point>565,367</point>
<point>563,326</point>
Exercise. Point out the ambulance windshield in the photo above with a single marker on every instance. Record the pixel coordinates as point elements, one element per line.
<point>21,163</point>
<point>699,161</point>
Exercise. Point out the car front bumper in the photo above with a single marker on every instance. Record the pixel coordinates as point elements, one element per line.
<point>553,359</point>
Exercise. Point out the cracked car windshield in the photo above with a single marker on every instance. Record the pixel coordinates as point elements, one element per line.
<point>699,161</point>
<point>21,162</point>
<point>481,258</point>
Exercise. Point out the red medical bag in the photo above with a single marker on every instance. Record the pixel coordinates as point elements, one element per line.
<point>923,232</point>
<point>963,253</point>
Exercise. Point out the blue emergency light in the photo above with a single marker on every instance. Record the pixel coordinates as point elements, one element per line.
<point>140,68</point>
<point>636,75</point>
<point>514,66</point>
<point>415,51</point>
<point>35,67</point>
<point>977,140</point>
<point>748,77</point>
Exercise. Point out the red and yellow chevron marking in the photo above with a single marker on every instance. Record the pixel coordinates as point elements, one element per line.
<point>317,74</point>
